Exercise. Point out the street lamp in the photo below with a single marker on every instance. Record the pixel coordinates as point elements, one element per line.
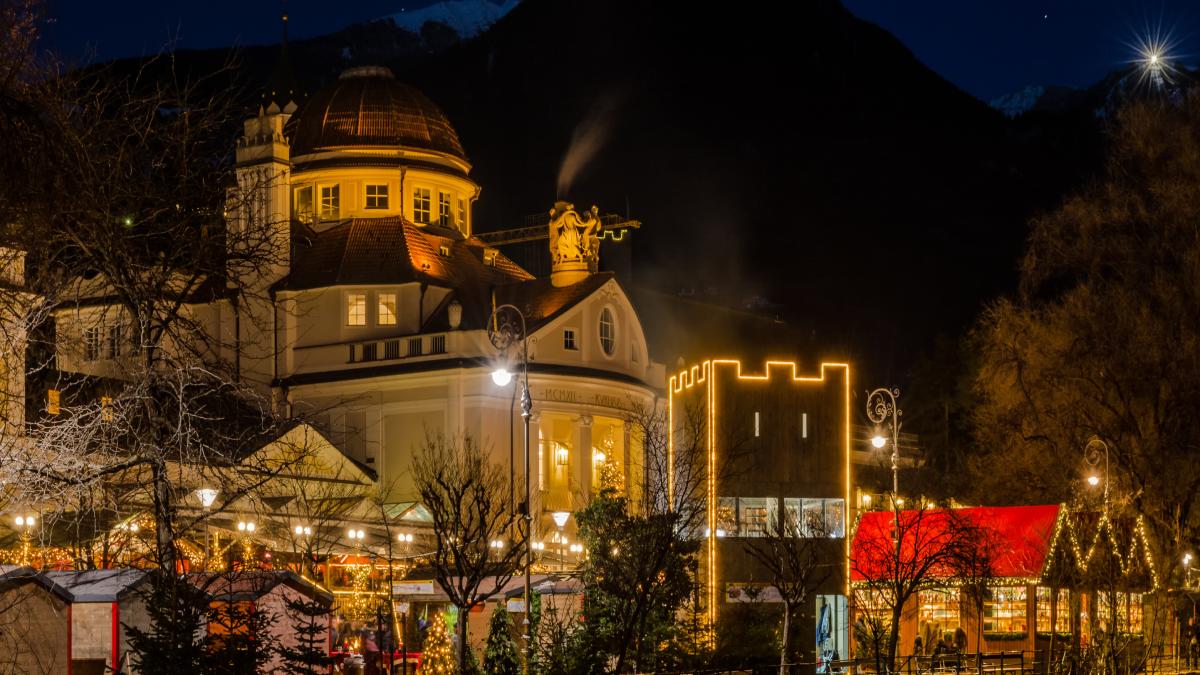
<point>881,407</point>
<point>506,328</point>
<point>1091,455</point>
<point>247,527</point>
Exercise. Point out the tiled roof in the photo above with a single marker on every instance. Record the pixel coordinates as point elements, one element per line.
<point>368,107</point>
<point>541,302</point>
<point>392,250</point>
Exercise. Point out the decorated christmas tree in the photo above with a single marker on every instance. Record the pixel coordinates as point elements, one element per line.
<point>438,653</point>
<point>500,654</point>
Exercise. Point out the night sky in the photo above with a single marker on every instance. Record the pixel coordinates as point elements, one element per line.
<point>986,47</point>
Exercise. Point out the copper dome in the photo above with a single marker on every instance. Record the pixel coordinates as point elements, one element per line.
<point>368,107</point>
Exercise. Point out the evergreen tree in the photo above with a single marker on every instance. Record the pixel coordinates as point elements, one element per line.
<point>239,638</point>
<point>438,655</point>
<point>500,653</point>
<point>309,622</point>
<point>177,610</point>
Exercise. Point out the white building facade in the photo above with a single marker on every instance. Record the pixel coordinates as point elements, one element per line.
<point>376,325</point>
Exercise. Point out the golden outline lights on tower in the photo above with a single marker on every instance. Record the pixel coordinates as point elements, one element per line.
<point>705,374</point>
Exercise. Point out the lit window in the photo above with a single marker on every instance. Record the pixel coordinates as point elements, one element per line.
<point>106,412</point>
<point>1136,611</point>
<point>304,204</point>
<point>608,331</point>
<point>1119,612</point>
<point>356,309</point>
<point>727,524</point>
<point>421,205</point>
<point>53,402</point>
<point>757,424</point>
<point>817,517</point>
<point>1004,611</point>
<point>803,425</point>
<point>387,309</point>
<point>1059,614</point>
<point>569,339</point>
<point>377,196</point>
<point>872,604</point>
<point>444,209</point>
<point>754,514</point>
<point>462,212</point>
<point>330,202</point>
<point>940,608</point>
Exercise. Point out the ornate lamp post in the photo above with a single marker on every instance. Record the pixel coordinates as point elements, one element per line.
<point>506,329</point>
<point>881,407</point>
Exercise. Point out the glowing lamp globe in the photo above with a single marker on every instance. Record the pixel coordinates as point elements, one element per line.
<point>1093,480</point>
<point>560,517</point>
<point>207,496</point>
<point>878,442</point>
<point>501,377</point>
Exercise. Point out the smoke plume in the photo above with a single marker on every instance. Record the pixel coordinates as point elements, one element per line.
<point>589,137</point>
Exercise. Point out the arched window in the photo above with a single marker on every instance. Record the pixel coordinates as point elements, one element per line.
<point>608,331</point>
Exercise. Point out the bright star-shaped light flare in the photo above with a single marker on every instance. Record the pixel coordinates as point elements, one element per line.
<point>1155,57</point>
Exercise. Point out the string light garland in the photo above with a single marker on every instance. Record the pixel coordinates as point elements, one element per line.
<point>1127,558</point>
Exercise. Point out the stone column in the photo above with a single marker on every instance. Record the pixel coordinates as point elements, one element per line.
<point>535,474</point>
<point>583,459</point>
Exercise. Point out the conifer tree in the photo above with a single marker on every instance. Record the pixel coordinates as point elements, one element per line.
<point>438,655</point>
<point>500,653</point>
<point>239,638</point>
<point>309,623</point>
<point>177,611</point>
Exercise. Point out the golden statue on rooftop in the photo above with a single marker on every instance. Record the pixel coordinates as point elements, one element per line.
<point>574,242</point>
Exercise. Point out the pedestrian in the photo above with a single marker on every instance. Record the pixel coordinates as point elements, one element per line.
<point>918,646</point>
<point>1193,659</point>
<point>960,639</point>
<point>370,651</point>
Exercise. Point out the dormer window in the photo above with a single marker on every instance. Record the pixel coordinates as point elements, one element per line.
<point>356,309</point>
<point>377,196</point>
<point>303,209</point>
<point>444,249</point>
<point>569,340</point>
<point>444,209</point>
<point>608,331</point>
<point>421,205</point>
<point>489,256</point>
<point>330,202</point>
<point>386,312</point>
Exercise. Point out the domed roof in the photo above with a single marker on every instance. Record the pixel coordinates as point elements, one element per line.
<point>368,107</point>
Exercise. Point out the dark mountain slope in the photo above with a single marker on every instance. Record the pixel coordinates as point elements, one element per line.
<point>808,157</point>
<point>798,154</point>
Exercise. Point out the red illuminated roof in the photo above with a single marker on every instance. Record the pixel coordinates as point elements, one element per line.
<point>1020,538</point>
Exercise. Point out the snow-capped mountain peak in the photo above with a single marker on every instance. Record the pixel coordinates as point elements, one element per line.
<point>468,18</point>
